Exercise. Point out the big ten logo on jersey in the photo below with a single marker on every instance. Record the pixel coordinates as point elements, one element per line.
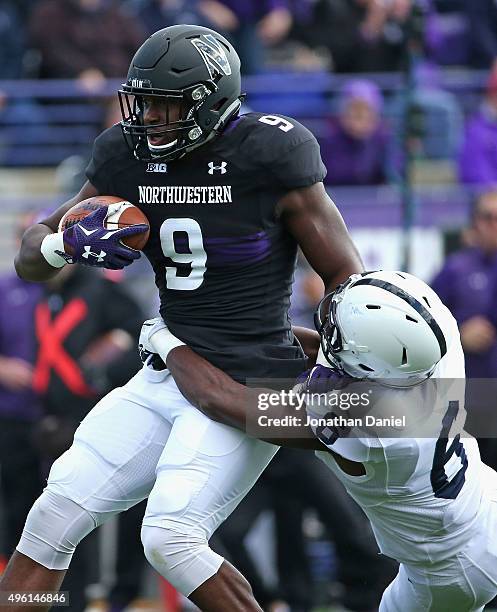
<point>155,167</point>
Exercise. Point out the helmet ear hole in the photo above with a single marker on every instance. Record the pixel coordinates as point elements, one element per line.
<point>404,356</point>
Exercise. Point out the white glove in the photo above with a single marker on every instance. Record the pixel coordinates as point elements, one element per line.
<point>156,338</point>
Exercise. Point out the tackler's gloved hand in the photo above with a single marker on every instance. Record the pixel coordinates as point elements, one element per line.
<point>322,379</point>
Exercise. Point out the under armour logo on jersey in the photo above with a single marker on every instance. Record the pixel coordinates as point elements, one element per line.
<point>221,168</point>
<point>99,256</point>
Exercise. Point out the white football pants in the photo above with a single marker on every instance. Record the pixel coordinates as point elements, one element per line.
<point>467,583</point>
<point>146,440</point>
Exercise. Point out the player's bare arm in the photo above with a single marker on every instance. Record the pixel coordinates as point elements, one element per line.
<point>316,224</point>
<point>223,399</point>
<point>309,340</point>
<point>29,262</point>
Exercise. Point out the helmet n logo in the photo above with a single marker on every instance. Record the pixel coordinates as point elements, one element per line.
<point>213,54</point>
<point>221,168</point>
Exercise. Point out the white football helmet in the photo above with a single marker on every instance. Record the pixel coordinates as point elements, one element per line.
<point>384,325</point>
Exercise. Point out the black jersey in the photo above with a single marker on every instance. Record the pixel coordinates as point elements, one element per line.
<point>223,262</point>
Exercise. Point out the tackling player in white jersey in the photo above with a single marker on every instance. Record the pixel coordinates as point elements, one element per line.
<point>431,501</point>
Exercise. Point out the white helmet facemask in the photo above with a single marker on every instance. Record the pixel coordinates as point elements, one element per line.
<point>389,326</point>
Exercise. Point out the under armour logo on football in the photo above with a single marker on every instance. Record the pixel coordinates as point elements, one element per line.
<point>99,256</point>
<point>221,168</point>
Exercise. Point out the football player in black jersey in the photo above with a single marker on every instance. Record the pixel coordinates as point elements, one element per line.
<point>229,199</point>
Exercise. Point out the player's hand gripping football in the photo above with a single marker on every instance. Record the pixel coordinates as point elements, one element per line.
<point>90,243</point>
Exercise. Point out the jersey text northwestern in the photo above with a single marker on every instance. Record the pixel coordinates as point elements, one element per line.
<point>168,194</point>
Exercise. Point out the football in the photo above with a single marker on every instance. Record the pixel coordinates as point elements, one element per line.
<point>121,214</point>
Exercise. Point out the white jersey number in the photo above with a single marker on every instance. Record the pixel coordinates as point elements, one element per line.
<point>196,258</point>
<point>283,124</point>
<point>441,485</point>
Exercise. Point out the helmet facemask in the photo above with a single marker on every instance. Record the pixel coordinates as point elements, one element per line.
<point>192,75</point>
<point>326,323</point>
<point>181,106</point>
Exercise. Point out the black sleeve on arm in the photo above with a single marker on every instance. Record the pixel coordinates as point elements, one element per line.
<point>108,155</point>
<point>291,161</point>
<point>286,152</point>
<point>301,166</point>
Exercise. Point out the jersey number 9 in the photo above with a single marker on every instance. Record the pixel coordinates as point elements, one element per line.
<point>283,124</point>
<point>185,236</point>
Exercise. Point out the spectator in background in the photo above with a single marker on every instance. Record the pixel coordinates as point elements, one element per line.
<point>356,148</point>
<point>87,40</point>
<point>360,35</point>
<point>156,14</point>
<point>478,158</point>
<point>446,32</point>
<point>467,284</point>
<point>11,41</point>
<point>482,18</point>
<point>256,24</point>
<point>20,473</point>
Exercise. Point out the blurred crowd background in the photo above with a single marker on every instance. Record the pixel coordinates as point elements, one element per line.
<point>402,96</point>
